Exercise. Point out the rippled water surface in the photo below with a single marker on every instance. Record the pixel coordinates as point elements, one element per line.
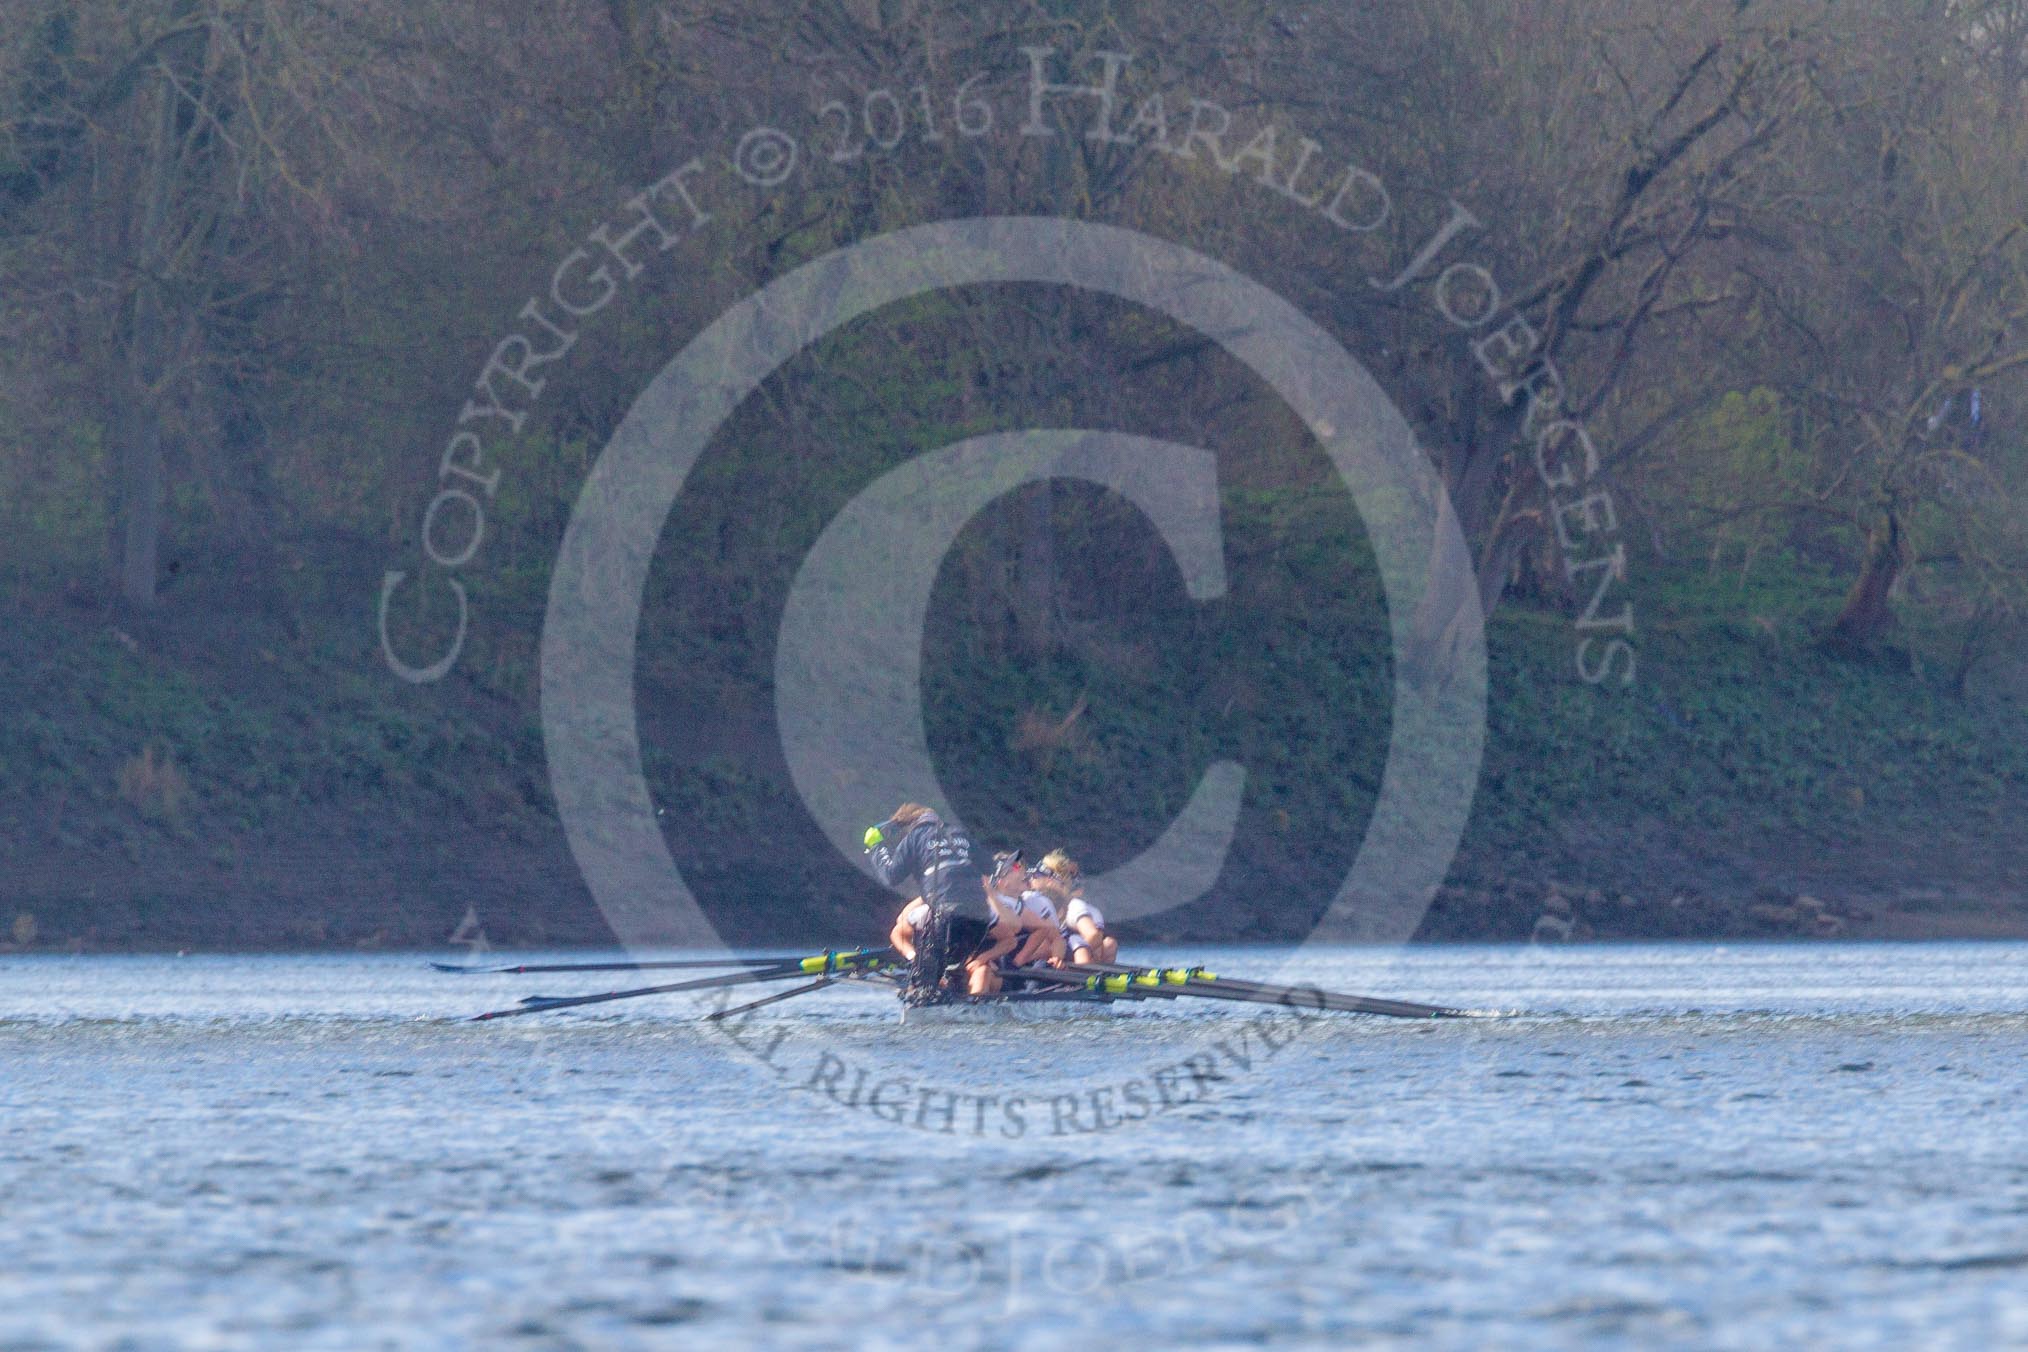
<point>1742,1147</point>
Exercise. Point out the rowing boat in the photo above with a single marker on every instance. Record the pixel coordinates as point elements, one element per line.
<point>1028,1006</point>
<point>1029,992</point>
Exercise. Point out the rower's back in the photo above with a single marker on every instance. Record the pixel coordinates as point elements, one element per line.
<point>939,859</point>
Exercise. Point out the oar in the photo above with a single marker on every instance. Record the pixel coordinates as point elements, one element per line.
<point>825,963</point>
<point>1298,997</point>
<point>542,1004</point>
<point>816,985</point>
<point>609,966</point>
<point>1200,982</point>
<point>1207,982</point>
<point>1176,982</point>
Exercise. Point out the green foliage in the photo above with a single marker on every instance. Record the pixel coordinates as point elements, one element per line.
<point>52,502</point>
<point>347,318</point>
<point>1744,473</point>
<point>105,723</point>
<point>1738,723</point>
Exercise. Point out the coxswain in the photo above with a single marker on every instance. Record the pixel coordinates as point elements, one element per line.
<point>915,843</point>
<point>1084,927</point>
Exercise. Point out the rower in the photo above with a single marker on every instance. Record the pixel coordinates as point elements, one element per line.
<point>1045,899</point>
<point>1084,927</point>
<point>1006,896</point>
<point>940,859</point>
<point>913,920</point>
<point>968,935</point>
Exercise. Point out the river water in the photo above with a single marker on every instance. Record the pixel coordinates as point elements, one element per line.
<point>1673,1145</point>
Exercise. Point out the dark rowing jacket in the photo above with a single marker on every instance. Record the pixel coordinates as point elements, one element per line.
<point>937,857</point>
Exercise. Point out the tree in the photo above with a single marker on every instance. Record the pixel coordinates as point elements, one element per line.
<point>169,168</point>
<point>1911,266</point>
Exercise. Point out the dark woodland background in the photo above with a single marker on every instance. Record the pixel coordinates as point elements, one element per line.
<point>254,253</point>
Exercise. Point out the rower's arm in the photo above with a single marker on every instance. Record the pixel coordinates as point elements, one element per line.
<point>902,937</point>
<point>1004,939</point>
<point>890,862</point>
<point>1001,914</point>
<point>1058,950</point>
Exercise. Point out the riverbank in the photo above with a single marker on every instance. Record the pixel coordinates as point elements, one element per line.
<point>207,781</point>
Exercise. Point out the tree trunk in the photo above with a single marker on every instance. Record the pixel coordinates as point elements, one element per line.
<point>140,432</point>
<point>138,424</point>
<point>1867,614</point>
<point>1972,648</point>
<point>1451,594</point>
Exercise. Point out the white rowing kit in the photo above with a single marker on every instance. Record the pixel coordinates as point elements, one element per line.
<point>1080,909</point>
<point>999,905</point>
<point>1038,903</point>
<point>1029,903</point>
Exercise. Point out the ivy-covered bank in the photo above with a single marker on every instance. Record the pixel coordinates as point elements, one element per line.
<point>224,782</point>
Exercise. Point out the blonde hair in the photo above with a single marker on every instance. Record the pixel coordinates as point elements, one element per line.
<point>1063,866</point>
<point>1056,889</point>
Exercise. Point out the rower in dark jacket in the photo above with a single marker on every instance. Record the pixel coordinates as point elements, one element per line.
<point>939,937</point>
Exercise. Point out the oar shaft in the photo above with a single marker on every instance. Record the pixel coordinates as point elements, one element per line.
<point>543,1006</point>
<point>1210,987</point>
<point>1305,994</point>
<point>531,968</point>
<point>789,994</point>
<point>826,964</point>
<point>1262,992</point>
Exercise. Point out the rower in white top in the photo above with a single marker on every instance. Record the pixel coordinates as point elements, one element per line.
<point>1011,896</point>
<point>986,941</point>
<point>1043,902</point>
<point>996,943</point>
<point>1037,916</point>
<point>911,922</point>
<point>1082,925</point>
